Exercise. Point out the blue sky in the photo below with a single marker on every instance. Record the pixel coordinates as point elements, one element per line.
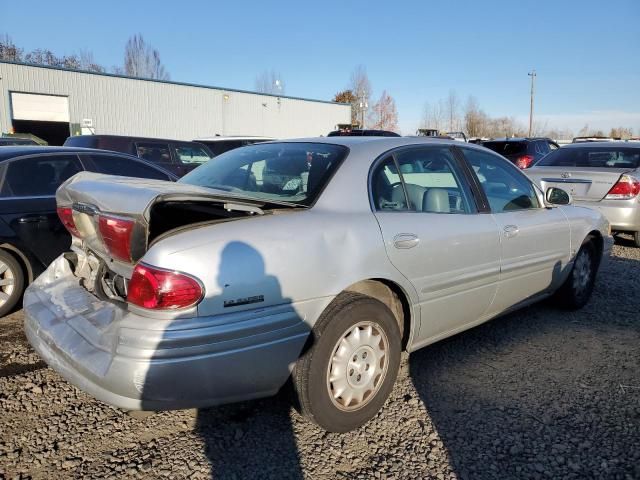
<point>586,53</point>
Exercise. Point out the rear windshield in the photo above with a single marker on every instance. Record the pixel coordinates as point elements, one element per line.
<point>289,172</point>
<point>506,148</point>
<point>593,156</point>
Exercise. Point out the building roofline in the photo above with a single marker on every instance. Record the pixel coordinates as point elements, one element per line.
<point>171,82</point>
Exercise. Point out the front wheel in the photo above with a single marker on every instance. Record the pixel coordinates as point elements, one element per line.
<point>577,288</point>
<point>636,239</point>
<point>350,369</point>
<point>11,282</point>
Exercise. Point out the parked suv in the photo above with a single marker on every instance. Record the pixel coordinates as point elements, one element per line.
<point>524,152</point>
<point>31,234</point>
<point>174,155</point>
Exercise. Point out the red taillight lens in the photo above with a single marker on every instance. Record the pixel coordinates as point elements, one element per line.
<point>161,289</point>
<point>524,161</point>
<point>627,187</point>
<point>116,235</point>
<point>66,217</point>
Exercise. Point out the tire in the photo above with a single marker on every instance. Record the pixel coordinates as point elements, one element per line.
<point>636,239</point>
<point>578,287</point>
<point>11,282</point>
<point>353,327</point>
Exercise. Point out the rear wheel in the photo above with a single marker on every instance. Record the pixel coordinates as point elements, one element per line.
<point>11,282</point>
<point>577,288</point>
<point>636,239</point>
<point>347,374</point>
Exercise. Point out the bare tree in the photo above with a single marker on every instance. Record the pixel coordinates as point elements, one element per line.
<point>270,82</point>
<point>621,132</point>
<point>384,114</point>
<point>8,50</point>
<point>453,106</point>
<point>361,88</point>
<point>87,62</point>
<point>475,120</point>
<point>433,115</point>
<point>142,60</point>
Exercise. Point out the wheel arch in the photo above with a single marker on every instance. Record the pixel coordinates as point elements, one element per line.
<point>595,237</point>
<point>394,297</point>
<point>22,260</point>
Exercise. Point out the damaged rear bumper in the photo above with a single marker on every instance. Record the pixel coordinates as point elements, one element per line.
<point>140,363</point>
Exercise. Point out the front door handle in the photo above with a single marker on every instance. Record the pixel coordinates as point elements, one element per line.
<point>511,231</point>
<point>405,240</point>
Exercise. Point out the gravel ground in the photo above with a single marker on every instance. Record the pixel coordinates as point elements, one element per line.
<point>537,394</point>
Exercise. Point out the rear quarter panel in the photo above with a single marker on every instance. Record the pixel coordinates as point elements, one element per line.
<point>291,257</point>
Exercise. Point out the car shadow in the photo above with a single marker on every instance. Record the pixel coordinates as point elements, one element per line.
<point>534,394</point>
<point>249,439</point>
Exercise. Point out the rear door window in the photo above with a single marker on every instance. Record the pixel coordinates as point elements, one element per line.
<point>154,152</point>
<point>37,176</point>
<point>122,166</point>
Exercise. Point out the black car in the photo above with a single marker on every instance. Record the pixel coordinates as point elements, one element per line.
<point>357,132</point>
<point>524,152</point>
<point>174,155</point>
<point>31,234</point>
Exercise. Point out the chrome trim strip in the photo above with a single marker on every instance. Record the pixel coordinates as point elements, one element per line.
<point>566,180</point>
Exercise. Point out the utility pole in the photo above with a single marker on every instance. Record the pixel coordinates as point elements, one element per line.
<point>532,74</point>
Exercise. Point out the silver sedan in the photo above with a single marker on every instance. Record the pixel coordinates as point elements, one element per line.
<point>317,259</point>
<point>600,175</point>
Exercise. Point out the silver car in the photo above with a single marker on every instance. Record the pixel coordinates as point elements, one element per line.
<point>318,259</point>
<point>600,175</point>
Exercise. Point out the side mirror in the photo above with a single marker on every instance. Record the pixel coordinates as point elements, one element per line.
<point>557,196</point>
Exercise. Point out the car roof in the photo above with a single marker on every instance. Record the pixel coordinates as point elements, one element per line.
<point>385,143</point>
<point>517,139</point>
<point>596,145</point>
<point>13,151</point>
<point>220,138</point>
<point>133,137</point>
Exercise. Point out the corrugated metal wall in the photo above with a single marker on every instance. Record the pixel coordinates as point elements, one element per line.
<point>125,106</point>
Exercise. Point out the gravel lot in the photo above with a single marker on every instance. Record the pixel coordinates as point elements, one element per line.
<point>540,393</point>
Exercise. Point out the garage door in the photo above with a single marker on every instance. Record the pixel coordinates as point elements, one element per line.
<point>49,108</point>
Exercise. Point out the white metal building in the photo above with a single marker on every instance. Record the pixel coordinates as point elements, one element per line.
<point>54,103</point>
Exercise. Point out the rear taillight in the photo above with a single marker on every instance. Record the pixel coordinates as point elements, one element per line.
<point>157,289</point>
<point>524,161</point>
<point>626,187</point>
<point>116,235</point>
<point>66,217</point>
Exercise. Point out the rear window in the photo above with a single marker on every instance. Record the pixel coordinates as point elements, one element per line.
<point>289,172</point>
<point>596,157</point>
<point>507,148</point>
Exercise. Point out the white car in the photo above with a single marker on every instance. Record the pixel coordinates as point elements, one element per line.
<point>318,259</point>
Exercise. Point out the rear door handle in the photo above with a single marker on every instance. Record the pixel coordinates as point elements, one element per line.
<point>33,219</point>
<point>405,240</point>
<point>511,231</point>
